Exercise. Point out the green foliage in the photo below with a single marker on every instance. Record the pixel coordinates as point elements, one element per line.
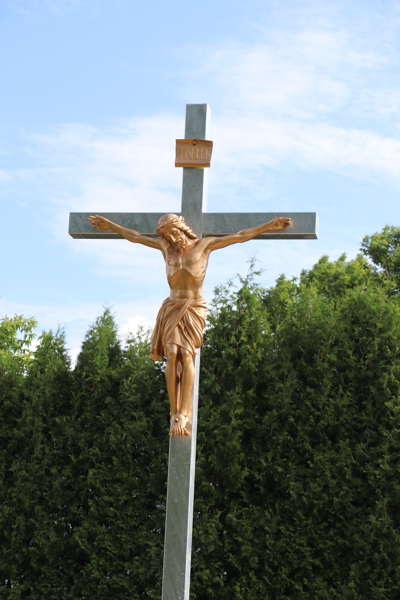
<point>334,279</point>
<point>384,251</point>
<point>9,340</point>
<point>118,467</point>
<point>298,461</point>
<point>30,509</point>
<point>16,336</point>
<point>83,498</point>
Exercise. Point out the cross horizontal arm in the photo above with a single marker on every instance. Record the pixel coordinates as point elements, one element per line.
<point>81,228</point>
<point>304,225</point>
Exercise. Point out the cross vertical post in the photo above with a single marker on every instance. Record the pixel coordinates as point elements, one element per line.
<point>182,450</point>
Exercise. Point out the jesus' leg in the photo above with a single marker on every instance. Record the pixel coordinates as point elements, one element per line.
<point>171,377</point>
<point>181,418</point>
<point>179,413</point>
<point>174,374</point>
<point>188,375</point>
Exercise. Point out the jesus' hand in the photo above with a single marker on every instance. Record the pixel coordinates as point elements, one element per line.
<point>279,223</point>
<point>100,222</point>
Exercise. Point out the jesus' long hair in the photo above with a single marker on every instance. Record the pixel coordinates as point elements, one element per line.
<point>167,222</point>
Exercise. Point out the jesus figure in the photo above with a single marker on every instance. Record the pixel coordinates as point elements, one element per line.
<point>178,331</point>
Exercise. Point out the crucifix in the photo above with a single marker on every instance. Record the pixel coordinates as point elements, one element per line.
<point>186,239</point>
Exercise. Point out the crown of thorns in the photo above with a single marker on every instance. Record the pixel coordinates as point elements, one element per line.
<point>168,222</point>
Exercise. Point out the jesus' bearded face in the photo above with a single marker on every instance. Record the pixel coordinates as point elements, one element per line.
<point>177,238</point>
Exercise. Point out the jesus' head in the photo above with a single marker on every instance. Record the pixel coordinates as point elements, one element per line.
<point>175,231</point>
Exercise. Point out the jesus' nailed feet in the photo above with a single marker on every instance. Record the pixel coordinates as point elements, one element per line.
<point>178,425</point>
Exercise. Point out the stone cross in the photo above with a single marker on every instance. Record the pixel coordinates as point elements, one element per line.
<point>182,450</point>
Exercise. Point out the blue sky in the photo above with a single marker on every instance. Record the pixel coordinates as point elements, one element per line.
<point>305,100</point>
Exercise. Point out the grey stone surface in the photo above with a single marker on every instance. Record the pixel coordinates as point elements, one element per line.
<point>194,198</point>
<point>81,228</point>
<point>180,499</point>
<point>197,121</point>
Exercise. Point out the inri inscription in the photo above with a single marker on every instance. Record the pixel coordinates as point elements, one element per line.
<point>193,153</point>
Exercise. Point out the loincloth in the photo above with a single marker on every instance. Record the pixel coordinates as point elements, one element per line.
<point>179,322</point>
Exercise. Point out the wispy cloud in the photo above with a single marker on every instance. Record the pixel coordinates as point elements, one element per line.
<point>335,64</point>
<point>319,97</point>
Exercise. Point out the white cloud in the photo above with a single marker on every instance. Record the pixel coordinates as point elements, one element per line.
<point>333,63</point>
<point>132,169</point>
<point>133,324</point>
<point>258,143</point>
<point>97,177</point>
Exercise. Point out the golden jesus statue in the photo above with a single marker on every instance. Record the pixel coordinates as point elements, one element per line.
<point>178,331</point>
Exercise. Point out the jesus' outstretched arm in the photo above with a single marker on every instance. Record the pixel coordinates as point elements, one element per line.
<point>128,234</point>
<point>248,234</point>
